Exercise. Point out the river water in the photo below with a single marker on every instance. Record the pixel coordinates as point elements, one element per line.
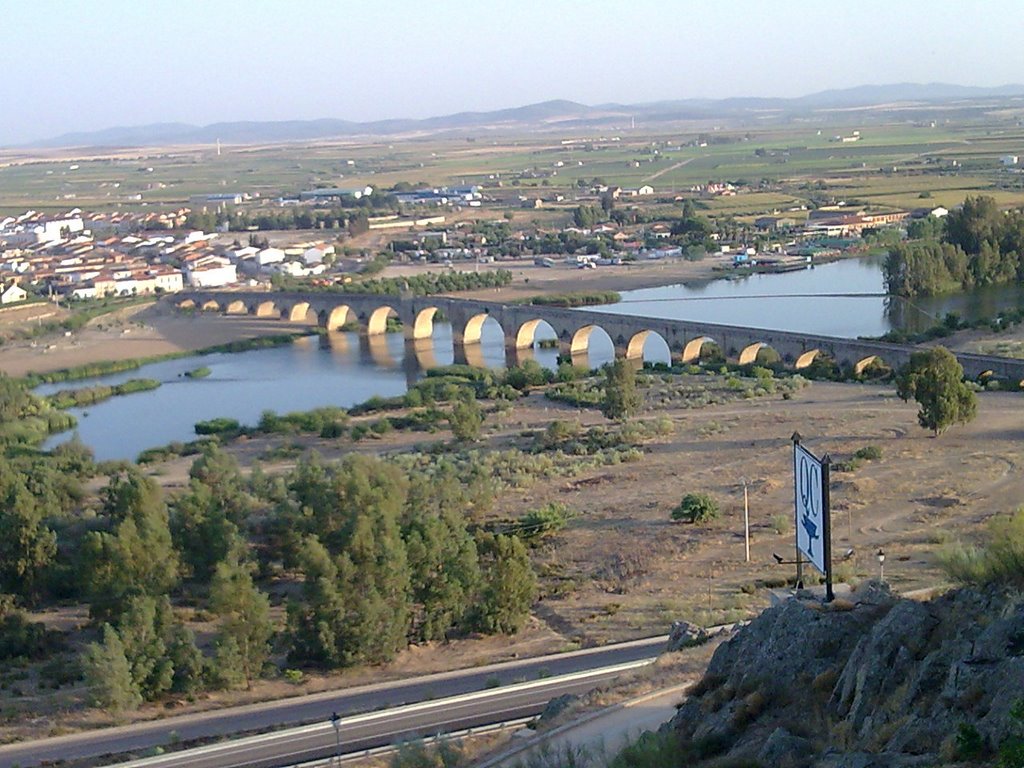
<point>840,299</point>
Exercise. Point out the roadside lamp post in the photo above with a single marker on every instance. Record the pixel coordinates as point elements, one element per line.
<point>336,722</point>
<point>881,566</point>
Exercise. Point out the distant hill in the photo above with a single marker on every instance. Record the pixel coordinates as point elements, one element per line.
<point>536,116</point>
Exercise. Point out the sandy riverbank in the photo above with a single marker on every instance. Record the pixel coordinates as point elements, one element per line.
<point>529,279</point>
<point>136,332</point>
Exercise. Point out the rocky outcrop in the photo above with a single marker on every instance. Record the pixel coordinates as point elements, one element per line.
<point>872,680</point>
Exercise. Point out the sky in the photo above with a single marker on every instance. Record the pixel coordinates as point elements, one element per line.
<point>77,65</point>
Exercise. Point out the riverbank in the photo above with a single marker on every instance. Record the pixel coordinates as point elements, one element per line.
<point>135,333</point>
<point>529,279</point>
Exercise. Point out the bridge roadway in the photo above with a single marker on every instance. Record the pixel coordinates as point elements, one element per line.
<point>573,328</point>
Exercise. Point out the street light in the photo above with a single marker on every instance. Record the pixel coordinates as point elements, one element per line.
<point>881,566</point>
<point>336,722</point>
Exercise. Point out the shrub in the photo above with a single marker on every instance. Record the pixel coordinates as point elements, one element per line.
<point>539,523</point>
<point>999,561</point>
<point>696,508</point>
<point>868,453</point>
<point>219,426</point>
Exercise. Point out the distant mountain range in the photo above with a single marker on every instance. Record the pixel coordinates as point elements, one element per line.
<point>907,97</point>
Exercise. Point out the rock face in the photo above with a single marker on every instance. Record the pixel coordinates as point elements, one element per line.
<point>685,635</point>
<point>870,681</point>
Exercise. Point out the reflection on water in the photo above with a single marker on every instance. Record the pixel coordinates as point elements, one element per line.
<point>845,299</point>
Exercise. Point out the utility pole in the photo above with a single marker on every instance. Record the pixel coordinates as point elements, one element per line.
<point>746,522</point>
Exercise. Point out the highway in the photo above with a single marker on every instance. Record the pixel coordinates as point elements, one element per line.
<point>317,709</point>
<point>375,729</point>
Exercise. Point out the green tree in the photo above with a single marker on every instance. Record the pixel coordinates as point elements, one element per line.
<point>510,585</point>
<point>934,378</point>
<point>466,419</point>
<point>244,612</point>
<point>202,530</point>
<point>443,560</point>
<point>108,674</point>
<point>27,545</point>
<point>696,508</point>
<point>137,556</point>
<point>144,628</point>
<point>622,399</point>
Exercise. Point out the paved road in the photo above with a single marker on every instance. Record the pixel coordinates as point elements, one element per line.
<point>317,708</point>
<point>375,729</point>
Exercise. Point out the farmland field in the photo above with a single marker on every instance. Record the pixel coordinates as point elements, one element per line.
<point>896,166</point>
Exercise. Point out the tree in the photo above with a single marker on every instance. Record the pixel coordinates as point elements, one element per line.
<point>137,556</point>
<point>934,378</point>
<point>465,419</point>
<point>143,629</point>
<point>443,559</point>
<point>108,675</point>
<point>510,585</point>
<point>622,399</point>
<point>27,545</point>
<point>696,508</point>
<point>202,530</point>
<point>244,612</point>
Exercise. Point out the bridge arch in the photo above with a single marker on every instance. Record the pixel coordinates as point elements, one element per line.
<point>580,343</point>
<point>423,324</point>
<point>866,364</point>
<point>861,365</point>
<point>265,309</point>
<point>526,336</point>
<point>750,353</point>
<point>637,348</point>
<point>806,359</point>
<point>378,321</point>
<point>473,331</point>
<point>210,306</point>
<point>336,317</point>
<point>187,304</point>
<point>693,348</point>
<point>298,312</point>
<point>237,307</point>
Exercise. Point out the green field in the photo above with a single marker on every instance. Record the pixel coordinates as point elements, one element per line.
<point>898,165</point>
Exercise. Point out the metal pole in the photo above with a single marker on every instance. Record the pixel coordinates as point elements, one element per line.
<point>746,523</point>
<point>826,521</point>
<point>796,520</point>
<point>709,591</point>
<point>336,722</point>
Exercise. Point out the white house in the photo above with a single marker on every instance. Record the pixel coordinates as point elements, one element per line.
<point>211,272</point>
<point>248,252</point>
<point>1009,160</point>
<point>316,254</point>
<point>269,256</point>
<point>13,293</point>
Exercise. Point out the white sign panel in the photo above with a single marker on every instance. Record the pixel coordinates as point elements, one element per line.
<point>810,517</point>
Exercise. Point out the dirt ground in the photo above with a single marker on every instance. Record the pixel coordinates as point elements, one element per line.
<point>530,280</point>
<point>135,332</point>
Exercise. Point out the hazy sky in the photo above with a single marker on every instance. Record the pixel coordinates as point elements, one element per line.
<point>70,65</point>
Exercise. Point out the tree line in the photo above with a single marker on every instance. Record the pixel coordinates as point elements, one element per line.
<point>366,555</point>
<point>975,246</point>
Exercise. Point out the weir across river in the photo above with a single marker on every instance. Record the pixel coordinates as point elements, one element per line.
<point>572,328</point>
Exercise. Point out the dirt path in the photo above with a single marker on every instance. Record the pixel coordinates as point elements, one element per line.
<point>680,164</point>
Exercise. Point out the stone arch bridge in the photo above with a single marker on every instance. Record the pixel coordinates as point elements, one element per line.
<point>573,328</point>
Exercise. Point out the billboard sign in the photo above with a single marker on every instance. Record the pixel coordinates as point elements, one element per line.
<point>811,514</point>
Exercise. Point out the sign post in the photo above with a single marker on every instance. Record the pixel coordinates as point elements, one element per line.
<point>813,514</point>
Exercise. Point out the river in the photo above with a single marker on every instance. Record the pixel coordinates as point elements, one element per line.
<point>840,299</point>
